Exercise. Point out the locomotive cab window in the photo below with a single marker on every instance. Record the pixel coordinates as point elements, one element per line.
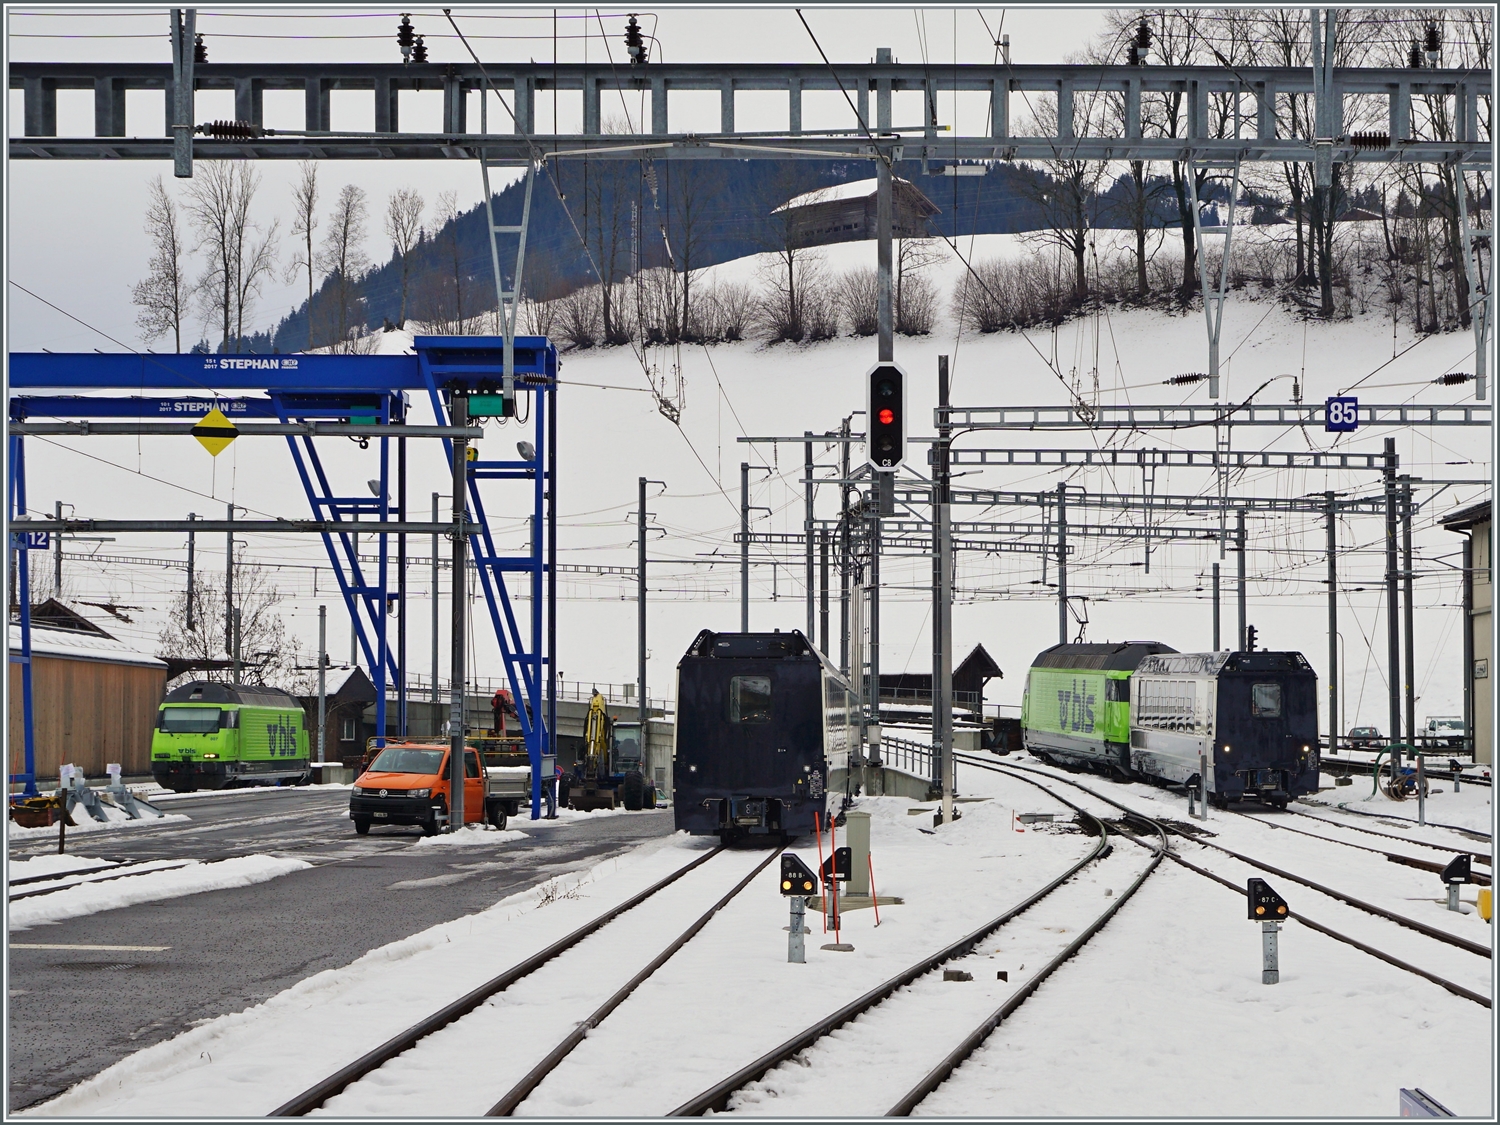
<point>190,720</point>
<point>1117,691</point>
<point>750,699</point>
<point>1265,701</point>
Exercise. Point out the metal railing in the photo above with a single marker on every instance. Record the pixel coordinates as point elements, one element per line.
<point>419,690</point>
<point>906,755</point>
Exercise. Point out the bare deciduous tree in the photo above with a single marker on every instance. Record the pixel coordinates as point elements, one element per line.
<point>163,294</point>
<point>344,260</point>
<point>304,222</point>
<point>403,223</point>
<point>268,653</point>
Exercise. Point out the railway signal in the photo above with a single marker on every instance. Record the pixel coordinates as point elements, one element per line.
<point>797,884</point>
<point>1270,910</point>
<point>1455,875</point>
<point>885,413</point>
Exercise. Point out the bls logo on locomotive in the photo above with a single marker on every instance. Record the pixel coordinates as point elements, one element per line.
<point>282,737</point>
<point>1075,709</point>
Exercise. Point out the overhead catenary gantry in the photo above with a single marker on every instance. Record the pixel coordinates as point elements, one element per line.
<point>360,397</point>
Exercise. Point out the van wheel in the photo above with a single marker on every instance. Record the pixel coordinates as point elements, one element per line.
<point>362,825</point>
<point>430,826</point>
<point>497,816</point>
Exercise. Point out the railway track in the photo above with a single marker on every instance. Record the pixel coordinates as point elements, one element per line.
<point>1438,935</point>
<point>1359,766</point>
<point>1393,857</point>
<point>347,1080</point>
<point>1471,833</point>
<point>83,877</point>
<point>897,999</point>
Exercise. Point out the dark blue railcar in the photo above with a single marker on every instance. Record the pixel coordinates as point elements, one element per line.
<point>762,721</point>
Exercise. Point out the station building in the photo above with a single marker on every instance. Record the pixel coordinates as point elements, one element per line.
<point>1473,523</point>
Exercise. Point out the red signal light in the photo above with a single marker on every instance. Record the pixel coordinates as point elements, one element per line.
<point>886,417</point>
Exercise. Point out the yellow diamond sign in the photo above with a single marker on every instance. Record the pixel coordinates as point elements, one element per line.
<point>214,431</point>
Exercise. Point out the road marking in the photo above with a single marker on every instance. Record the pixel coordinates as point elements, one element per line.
<point>93,948</point>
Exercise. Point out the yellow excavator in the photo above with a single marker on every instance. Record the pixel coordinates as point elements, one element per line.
<point>612,764</point>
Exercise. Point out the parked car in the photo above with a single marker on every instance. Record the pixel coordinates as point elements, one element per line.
<point>1364,738</point>
<point>1443,730</point>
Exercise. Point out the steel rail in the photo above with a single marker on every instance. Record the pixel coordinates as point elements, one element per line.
<point>1472,832</point>
<point>716,1098</point>
<point>971,1042</point>
<point>1456,989</point>
<point>1353,765</point>
<point>1484,857</point>
<point>168,865</point>
<point>1359,904</point>
<point>24,879</point>
<point>313,1097</point>
<point>522,1089</point>
<point>1410,861</point>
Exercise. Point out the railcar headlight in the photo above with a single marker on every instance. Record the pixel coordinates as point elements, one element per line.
<point>419,792</point>
<point>1305,749</point>
<point>1226,747</point>
<point>692,769</point>
<point>210,755</point>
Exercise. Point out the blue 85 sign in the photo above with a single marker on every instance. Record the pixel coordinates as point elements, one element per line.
<point>1342,415</point>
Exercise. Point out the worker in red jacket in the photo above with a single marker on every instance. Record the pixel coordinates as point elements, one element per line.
<point>501,705</point>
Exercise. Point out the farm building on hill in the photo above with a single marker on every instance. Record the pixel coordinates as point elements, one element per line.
<point>94,697</point>
<point>846,213</point>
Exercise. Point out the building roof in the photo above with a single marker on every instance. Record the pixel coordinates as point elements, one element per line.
<point>56,615</point>
<point>1466,518</point>
<point>859,189</point>
<point>77,644</point>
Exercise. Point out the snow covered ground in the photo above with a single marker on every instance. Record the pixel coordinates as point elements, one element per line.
<point>1121,1030</point>
<point>151,886</point>
<point>84,823</point>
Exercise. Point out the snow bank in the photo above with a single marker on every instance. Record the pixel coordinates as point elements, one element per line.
<point>91,898</point>
<point>87,824</point>
<point>472,836</point>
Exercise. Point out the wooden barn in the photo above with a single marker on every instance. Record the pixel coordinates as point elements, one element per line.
<point>95,698</point>
<point>350,716</point>
<point>846,213</point>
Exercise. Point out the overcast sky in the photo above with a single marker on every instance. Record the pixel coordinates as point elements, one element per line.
<point>75,234</point>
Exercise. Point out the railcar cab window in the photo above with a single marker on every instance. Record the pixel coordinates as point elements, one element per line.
<point>394,759</point>
<point>750,699</point>
<point>1265,701</point>
<point>190,720</point>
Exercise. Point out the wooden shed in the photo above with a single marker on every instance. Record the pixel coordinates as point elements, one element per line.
<point>846,213</point>
<point>969,680</point>
<point>94,697</point>
<point>350,716</point>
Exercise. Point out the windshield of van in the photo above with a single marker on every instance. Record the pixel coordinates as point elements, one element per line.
<point>399,759</point>
<point>189,720</point>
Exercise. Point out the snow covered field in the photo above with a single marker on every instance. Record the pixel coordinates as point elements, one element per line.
<point>1120,1030</point>
<point>150,886</point>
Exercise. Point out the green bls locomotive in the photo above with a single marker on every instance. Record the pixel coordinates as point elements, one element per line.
<point>214,736</point>
<point>1076,706</point>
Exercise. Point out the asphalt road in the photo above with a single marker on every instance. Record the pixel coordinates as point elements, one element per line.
<point>74,1012</point>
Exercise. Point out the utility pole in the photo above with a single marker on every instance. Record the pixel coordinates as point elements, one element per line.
<point>884,218</point>
<point>1239,535</point>
<point>229,586</point>
<point>844,536</point>
<point>874,528</point>
<point>57,553</point>
<point>191,593</point>
<point>459,416</point>
<point>1333,623</point>
<point>322,681</point>
<point>1468,618</point>
<point>236,645</point>
<point>640,603</point>
<point>1062,564</point>
<point>1392,607</point>
<point>942,604</point>
<point>744,546</point>
<point>823,592</point>
<point>1406,612</point>
<point>807,529</point>
<point>435,696</point>
<point>1216,607</point>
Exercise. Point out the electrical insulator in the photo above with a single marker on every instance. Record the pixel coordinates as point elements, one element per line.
<point>1143,37</point>
<point>419,51</point>
<point>1183,380</point>
<point>1453,379</point>
<point>1249,638</point>
<point>405,37</point>
<point>1414,56</point>
<point>200,49</point>
<point>1432,45</point>
<point>1133,56</point>
<point>635,46</point>
<point>231,130</point>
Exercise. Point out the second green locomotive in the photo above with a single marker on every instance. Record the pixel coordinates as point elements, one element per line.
<point>214,736</point>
